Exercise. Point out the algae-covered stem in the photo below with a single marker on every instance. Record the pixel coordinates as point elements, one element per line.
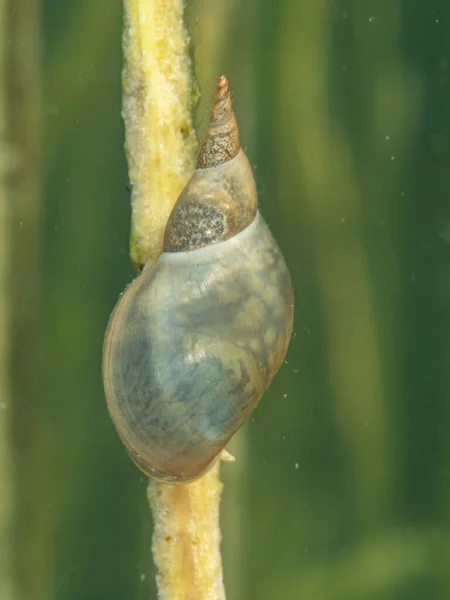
<point>159,96</point>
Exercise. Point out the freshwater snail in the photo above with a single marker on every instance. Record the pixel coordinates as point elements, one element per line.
<point>196,339</point>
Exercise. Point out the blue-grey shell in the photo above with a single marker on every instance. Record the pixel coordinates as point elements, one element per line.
<point>191,347</point>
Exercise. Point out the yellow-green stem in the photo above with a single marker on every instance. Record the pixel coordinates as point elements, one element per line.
<point>186,539</point>
<point>159,97</point>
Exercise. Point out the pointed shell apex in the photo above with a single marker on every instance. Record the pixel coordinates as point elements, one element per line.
<point>221,142</point>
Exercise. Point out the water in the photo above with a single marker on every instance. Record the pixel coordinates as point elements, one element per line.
<point>340,490</point>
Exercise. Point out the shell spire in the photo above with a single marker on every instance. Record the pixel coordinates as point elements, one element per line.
<point>221,142</point>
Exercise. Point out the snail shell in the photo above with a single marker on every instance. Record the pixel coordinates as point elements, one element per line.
<point>196,339</point>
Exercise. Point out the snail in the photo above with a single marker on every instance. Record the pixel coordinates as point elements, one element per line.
<point>196,339</point>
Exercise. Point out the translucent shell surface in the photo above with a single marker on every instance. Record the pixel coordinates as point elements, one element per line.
<point>192,346</point>
<point>196,339</point>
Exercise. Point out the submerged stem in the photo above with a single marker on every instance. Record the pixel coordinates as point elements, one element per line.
<point>186,538</point>
<point>159,94</point>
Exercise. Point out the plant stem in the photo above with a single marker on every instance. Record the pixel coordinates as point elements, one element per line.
<point>159,96</point>
<point>186,539</point>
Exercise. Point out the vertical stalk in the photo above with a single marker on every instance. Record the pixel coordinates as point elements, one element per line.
<point>186,539</point>
<point>159,96</point>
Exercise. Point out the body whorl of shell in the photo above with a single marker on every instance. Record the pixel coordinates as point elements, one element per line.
<point>193,346</point>
<point>195,341</point>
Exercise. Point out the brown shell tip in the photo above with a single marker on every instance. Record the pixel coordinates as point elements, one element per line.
<point>223,87</point>
<point>221,142</point>
<point>222,108</point>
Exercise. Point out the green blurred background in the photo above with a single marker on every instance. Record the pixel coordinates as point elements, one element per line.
<point>341,489</point>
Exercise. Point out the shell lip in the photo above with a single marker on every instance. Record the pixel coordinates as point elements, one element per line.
<point>144,465</point>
